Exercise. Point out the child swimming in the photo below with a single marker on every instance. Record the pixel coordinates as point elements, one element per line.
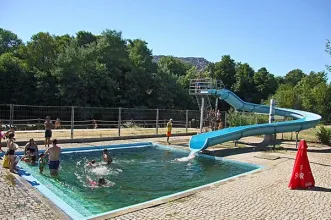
<point>101,182</point>
<point>92,163</point>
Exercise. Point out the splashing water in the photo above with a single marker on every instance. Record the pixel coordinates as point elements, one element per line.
<point>185,159</point>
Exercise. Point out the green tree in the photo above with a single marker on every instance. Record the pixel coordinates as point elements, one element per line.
<point>287,97</point>
<point>294,76</point>
<point>224,70</point>
<point>84,38</point>
<point>141,78</point>
<point>172,65</point>
<point>9,41</point>
<point>82,79</point>
<point>42,51</point>
<point>306,86</point>
<point>63,41</point>
<point>112,51</point>
<point>265,84</point>
<point>244,85</point>
<point>19,84</point>
<point>280,80</point>
<point>328,50</point>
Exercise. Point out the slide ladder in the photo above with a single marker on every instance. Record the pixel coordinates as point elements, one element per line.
<point>208,115</point>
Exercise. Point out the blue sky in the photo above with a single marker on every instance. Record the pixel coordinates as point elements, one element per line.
<point>280,35</point>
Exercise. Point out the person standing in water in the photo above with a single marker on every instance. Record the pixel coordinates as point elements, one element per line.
<point>54,158</point>
<point>106,157</point>
<point>48,131</point>
<point>169,128</point>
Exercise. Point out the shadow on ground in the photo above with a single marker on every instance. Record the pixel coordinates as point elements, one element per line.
<point>317,189</point>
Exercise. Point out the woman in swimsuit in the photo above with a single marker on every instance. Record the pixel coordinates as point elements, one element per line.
<point>11,152</point>
<point>33,148</point>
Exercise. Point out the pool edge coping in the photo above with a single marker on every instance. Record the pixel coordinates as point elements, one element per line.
<point>178,195</point>
<point>53,199</point>
<point>139,206</point>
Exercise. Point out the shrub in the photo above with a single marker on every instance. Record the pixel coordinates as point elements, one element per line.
<point>324,135</point>
<point>235,118</point>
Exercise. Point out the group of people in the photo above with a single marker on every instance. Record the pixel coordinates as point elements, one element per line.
<point>101,181</point>
<point>31,151</point>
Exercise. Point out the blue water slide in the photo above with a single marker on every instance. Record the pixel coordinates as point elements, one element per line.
<point>301,120</point>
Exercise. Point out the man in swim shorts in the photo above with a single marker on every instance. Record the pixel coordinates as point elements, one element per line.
<point>48,130</point>
<point>54,158</point>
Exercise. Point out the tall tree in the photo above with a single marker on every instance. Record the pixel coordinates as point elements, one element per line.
<point>82,79</point>
<point>42,51</point>
<point>8,41</point>
<point>244,85</point>
<point>172,65</point>
<point>294,76</point>
<point>84,38</point>
<point>113,52</point>
<point>265,84</point>
<point>142,75</point>
<point>288,97</point>
<point>225,70</point>
<point>19,84</point>
<point>328,50</point>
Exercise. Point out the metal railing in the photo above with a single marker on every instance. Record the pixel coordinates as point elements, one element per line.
<point>77,122</point>
<point>198,86</point>
<point>80,122</point>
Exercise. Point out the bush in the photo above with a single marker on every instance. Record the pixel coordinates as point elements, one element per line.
<point>235,118</point>
<point>324,135</point>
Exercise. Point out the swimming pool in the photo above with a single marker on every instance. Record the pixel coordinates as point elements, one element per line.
<point>139,173</point>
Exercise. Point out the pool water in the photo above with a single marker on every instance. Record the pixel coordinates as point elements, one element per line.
<point>136,175</point>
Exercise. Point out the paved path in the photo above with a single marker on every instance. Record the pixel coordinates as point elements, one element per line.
<point>22,202</point>
<point>261,195</point>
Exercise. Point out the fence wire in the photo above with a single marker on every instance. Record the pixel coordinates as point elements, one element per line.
<point>81,122</point>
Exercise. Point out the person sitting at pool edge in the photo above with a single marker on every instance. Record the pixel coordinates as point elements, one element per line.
<point>27,157</point>
<point>54,158</point>
<point>33,148</point>
<point>106,157</point>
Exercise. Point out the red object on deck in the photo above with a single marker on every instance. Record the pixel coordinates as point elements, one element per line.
<point>302,176</point>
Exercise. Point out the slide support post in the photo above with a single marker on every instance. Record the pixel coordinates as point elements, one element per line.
<point>201,113</point>
<point>271,137</point>
<point>296,139</point>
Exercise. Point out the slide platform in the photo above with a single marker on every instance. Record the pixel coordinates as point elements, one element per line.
<point>302,120</point>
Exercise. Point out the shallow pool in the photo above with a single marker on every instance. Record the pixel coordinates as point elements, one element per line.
<point>136,175</point>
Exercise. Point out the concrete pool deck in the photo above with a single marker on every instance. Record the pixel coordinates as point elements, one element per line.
<point>260,195</point>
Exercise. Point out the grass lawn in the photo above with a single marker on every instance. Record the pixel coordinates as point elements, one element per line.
<point>308,135</point>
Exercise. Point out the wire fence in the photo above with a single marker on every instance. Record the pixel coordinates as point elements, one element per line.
<point>86,122</point>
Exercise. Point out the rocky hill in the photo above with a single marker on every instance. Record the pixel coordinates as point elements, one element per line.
<point>200,62</point>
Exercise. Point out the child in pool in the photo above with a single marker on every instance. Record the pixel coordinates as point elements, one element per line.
<point>106,157</point>
<point>28,157</point>
<point>41,162</point>
<point>92,163</point>
<point>101,182</point>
